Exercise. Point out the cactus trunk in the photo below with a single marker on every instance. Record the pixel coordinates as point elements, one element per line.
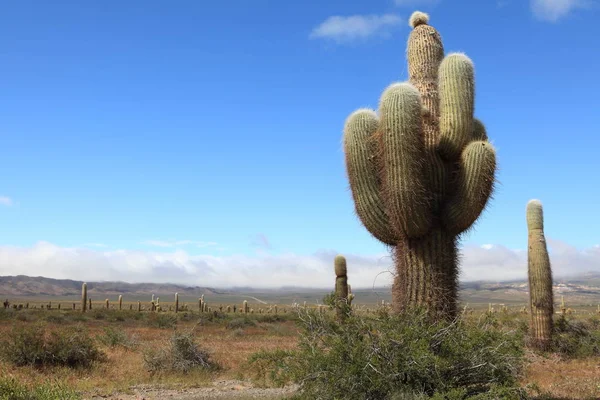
<point>84,297</point>
<point>120,302</point>
<point>176,302</point>
<point>541,299</point>
<point>426,273</point>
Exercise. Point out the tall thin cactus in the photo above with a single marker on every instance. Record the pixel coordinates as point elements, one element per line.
<point>176,302</point>
<point>341,286</point>
<point>541,298</point>
<point>421,170</point>
<point>120,302</point>
<point>83,297</point>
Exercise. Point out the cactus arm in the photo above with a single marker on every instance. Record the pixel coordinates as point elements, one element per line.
<point>479,131</point>
<point>402,161</point>
<point>359,148</point>
<point>457,98</point>
<point>474,187</point>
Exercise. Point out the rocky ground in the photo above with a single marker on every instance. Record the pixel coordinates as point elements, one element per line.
<point>226,389</point>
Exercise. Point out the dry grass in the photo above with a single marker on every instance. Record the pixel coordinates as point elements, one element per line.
<point>564,379</point>
<point>124,369</point>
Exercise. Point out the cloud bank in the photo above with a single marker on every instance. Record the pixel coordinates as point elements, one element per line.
<point>265,270</point>
<point>355,27</point>
<point>553,10</point>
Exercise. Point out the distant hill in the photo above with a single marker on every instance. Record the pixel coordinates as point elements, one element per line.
<point>581,289</point>
<point>22,285</point>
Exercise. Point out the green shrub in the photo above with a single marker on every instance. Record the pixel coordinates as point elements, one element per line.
<point>115,337</point>
<point>329,299</point>
<point>162,321</point>
<point>408,355</point>
<point>35,346</point>
<point>576,338</point>
<point>181,355</point>
<point>240,323</point>
<point>11,389</point>
<point>99,314</point>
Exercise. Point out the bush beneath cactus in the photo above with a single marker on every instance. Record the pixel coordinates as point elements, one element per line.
<point>397,357</point>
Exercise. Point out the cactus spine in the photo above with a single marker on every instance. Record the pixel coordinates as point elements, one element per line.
<point>541,301</point>
<point>176,302</point>
<point>421,171</point>
<point>84,297</point>
<point>120,302</point>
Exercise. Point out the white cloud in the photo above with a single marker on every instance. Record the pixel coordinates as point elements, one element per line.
<point>6,201</point>
<point>355,27</point>
<point>268,270</point>
<point>178,243</point>
<point>553,10</point>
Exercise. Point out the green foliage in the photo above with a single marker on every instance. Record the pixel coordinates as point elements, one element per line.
<point>181,355</point>
<point>271,367</point>
<point>329,299</point>
<point>240,322</point>
<point>373,358</point>
<point>115,337</point>
<point>11,389</point>
<point>576,338</point>
<point>163,321</point>
<point>36,346</point>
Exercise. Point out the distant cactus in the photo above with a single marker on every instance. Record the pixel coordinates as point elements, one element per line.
<point>541,299</point>
<point>176,302</point>
<point>228,309</point>
<point>421,171</point>
<point>245,307</point>
<point>341,286</point>
<point>139,306</point>
<point>84,297</point>
<point>107,304</point>
<point>120,302</point>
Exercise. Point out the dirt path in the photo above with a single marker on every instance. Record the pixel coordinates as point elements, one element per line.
<point>226,389</point>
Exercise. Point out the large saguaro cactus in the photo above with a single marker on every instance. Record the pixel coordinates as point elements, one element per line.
<point>421,170</point>
<point>541,299</point>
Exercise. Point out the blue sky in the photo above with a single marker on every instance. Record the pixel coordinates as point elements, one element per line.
<point>211,131</point>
